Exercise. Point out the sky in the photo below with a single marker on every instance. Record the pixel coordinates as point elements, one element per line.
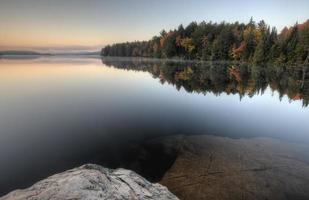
<point>74,25</point>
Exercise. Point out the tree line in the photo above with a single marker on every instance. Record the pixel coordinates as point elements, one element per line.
<point>252,42</point>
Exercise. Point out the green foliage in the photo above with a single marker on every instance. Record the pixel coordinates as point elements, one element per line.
<point>291,45</point>
<point>249,42</point>
<point>222,45</point>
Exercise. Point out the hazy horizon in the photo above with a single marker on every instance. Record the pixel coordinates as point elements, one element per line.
<point>61,26</point>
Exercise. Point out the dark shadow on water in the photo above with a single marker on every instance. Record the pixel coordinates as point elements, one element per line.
<point>148,157</point>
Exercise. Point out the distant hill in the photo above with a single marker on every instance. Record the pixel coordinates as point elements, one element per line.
<point>16,52</point>
<point>78,53</point>
<point>34,53</point>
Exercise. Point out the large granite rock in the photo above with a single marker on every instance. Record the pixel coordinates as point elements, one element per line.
<point>93,182</point>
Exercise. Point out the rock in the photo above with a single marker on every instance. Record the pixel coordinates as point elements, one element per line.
<point>93,182</point>
<point>211,167</point>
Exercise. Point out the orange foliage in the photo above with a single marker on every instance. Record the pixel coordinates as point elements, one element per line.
<point>286,31</point>
<point>234,73</point>
<point>297,96</point>
<point>238,51</point>
<point>303,25</point>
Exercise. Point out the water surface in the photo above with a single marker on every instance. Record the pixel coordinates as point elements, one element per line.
<point>60,112</point>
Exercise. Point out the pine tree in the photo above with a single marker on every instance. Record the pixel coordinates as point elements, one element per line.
<point>291,44</point>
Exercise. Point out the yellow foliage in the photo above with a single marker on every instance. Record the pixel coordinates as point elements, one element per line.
<point>184,75</point>
<point>256,33</point>
<point>187,43</point>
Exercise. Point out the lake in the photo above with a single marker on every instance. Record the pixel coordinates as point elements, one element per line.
<point>59,112</point>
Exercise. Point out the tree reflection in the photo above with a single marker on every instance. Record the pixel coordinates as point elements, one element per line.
<point>229,78</point>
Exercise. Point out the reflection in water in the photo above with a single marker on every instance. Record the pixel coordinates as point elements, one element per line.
<point>241,79</point>
<point>60,112</point>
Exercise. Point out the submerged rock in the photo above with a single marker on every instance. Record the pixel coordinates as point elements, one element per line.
<point>93,182</point>
<point>220,168</point>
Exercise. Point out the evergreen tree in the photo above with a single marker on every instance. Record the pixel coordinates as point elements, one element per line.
<point>291,45</point>
<point>249,42</point>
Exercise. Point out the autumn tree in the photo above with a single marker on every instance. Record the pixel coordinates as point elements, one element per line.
<point>251,42</point>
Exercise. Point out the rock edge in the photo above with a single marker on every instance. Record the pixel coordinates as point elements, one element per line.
<point>92,182</point>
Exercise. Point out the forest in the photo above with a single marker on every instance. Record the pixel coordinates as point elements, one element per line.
<point>253,42</point>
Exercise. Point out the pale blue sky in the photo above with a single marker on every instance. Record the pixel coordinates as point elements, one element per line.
<point>68,24</point>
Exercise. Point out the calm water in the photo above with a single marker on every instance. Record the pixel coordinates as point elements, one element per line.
<point>60,112</point>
